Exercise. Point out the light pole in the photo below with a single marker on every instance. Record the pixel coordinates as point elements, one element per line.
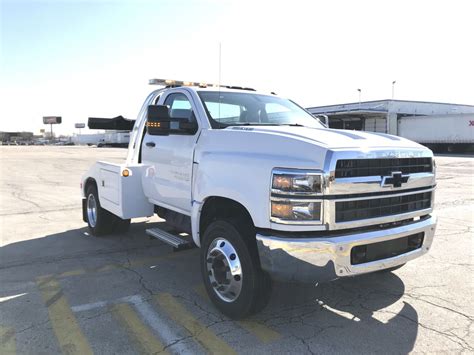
<point>360,95</point>
<point>393,89</point>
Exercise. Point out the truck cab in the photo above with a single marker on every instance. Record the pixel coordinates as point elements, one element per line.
<point>265,190</point>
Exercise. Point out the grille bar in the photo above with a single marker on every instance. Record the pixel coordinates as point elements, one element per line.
<point>380,207</point>
<point>347,168</point>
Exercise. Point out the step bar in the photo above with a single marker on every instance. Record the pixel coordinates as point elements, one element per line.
<point>176,241</point>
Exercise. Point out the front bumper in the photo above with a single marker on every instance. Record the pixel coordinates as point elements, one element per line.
<point>316,259</point>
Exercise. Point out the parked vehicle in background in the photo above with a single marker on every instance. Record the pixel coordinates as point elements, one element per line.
<point>115,139</point>
<point>265,190</point>
<point>89,139</point>
<point>451,133</point>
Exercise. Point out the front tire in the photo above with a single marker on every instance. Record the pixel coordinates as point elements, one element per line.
<point>231,271</point>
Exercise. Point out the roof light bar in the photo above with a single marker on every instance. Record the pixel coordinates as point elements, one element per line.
<point>169,82</point>
<point>175,83</point>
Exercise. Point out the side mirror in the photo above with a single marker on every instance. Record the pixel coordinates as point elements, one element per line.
<point>159,122</point>
<point>324,119</point>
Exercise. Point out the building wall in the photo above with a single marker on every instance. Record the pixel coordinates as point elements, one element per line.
<point>383,115</point>
<point>375,124</point>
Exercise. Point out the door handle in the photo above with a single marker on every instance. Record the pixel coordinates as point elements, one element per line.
<point>150,144</point>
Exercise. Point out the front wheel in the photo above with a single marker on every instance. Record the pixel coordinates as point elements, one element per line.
<point>231,271</point>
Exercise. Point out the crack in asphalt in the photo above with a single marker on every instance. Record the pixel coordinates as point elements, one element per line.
<point>35,325</point>
<point>18,195</point>
<point>419,298</point>
<point>177,341</point>
<point>141,279</point>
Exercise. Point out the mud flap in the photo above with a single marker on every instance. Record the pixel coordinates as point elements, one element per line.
<point>84,210</point>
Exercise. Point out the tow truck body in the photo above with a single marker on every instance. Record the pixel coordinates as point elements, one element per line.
<point>312,204</point>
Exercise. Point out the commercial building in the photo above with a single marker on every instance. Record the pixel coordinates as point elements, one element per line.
<point>383,115</point>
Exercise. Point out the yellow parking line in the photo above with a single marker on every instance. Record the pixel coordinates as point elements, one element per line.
<point>259,330</point>
<point>72,273</point>
<point>108,267</point>
<point>65,326</point>
<point>143,336</point>
<point>7,341</point>
<point>203,335</point>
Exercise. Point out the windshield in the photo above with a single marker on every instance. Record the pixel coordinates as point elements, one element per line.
<point>234,108</point>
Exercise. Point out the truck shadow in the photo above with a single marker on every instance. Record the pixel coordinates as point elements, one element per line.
<point>364,314</point>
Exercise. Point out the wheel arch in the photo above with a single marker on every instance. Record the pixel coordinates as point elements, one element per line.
<point>88,182</point>
<point>214,207</point>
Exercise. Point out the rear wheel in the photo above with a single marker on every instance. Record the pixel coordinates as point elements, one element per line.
<point>99,220</point>
<point>231,272</point>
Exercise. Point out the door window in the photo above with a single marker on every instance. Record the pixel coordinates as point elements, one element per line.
<point>180,107</point>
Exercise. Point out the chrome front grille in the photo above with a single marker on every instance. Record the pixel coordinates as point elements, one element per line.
<point>382,206</point>
<point>351,168</point>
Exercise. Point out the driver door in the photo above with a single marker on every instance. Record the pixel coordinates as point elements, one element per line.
<point>168,180</point>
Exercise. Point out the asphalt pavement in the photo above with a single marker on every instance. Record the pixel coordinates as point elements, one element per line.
<point>63,290</point>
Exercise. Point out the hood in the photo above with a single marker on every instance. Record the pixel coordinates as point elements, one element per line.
<point>334,138</point>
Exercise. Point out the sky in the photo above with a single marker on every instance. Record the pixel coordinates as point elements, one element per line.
<point>81,58</point>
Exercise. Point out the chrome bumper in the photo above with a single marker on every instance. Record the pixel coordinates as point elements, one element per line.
<point>318,259</point>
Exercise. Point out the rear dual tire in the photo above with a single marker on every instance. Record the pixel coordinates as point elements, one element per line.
<point>99,220</point>
<point>231,271</point>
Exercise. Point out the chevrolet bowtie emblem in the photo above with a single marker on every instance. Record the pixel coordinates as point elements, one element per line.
<point>396,179</point>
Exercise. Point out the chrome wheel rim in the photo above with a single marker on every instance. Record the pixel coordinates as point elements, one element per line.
<point>91,210</point>
<point>224,270</point>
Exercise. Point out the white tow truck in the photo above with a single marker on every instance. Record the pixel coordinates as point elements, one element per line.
<point>265,190</point>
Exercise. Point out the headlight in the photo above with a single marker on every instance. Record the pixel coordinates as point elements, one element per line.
<point>294,196</point>
<point>291,210</point>
<point>296,182</point>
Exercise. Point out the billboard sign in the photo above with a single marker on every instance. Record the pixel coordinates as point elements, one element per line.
<point>52,119</point>
<point>80,125</point>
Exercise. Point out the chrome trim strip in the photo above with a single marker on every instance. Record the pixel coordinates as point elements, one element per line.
<point>368,184</point>
<point>383,196</point>
<point>381,220</point>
